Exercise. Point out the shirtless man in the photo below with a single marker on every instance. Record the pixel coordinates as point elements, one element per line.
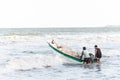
<point>98,53</point>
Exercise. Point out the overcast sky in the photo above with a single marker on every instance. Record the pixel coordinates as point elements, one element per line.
<point>59,13</point>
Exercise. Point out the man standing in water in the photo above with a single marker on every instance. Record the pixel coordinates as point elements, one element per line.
<point>98,53</point>
<point>86,56</point>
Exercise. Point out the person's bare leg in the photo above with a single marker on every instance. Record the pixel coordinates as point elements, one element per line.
<point>98,60</point>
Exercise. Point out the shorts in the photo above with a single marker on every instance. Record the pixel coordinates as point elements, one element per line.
<point>87,60</point>
<point>98,56</point>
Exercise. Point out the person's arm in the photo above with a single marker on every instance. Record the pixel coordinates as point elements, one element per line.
<point>95,52</point>
<point>81,55</point>
<point>52,41</point>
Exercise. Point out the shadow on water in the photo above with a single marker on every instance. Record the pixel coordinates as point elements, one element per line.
<point>85,66</point>
<point>98,67</point>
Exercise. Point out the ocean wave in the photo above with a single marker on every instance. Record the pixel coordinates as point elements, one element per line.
<point>33,62</point>
<point>32,46</point>
<point>85,37</point>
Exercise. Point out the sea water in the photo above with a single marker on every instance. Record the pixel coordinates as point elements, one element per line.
<point>25,54</point>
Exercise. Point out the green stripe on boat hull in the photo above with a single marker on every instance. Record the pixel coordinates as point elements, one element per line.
<point>66,55</point>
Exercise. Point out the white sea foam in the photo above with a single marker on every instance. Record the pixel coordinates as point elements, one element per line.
<point>30,62</point>
<point>31,52</point>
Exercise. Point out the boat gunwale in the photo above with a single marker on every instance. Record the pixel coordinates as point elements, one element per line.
<point>71,57</point>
